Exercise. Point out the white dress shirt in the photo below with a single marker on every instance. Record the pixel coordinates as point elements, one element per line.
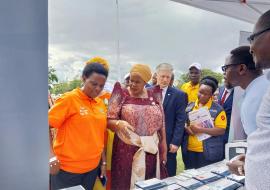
<point>251,102</point>
<point>164,90</point>
<point>257,165</point>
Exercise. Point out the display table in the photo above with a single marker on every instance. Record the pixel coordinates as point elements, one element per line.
<point>212,177</point>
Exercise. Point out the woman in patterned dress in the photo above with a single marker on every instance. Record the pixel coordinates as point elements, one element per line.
<point>138,110</point>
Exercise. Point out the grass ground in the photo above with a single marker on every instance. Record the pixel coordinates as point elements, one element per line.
<point>180,163</point>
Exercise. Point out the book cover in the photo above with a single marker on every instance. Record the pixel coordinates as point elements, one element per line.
<point>207,177</point>
<point>201,116</point>
<point>223,171</point>
<point>190,184</point>
<point>236,178</point>
<point>224,184</point>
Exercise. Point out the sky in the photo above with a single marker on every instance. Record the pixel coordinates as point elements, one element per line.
<point>149,32</point>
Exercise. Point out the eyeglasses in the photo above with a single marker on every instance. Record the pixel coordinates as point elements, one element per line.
<point>253,36</point>
<point>225,67</point>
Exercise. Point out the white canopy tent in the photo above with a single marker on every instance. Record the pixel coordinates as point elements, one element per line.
<point>246,10</point>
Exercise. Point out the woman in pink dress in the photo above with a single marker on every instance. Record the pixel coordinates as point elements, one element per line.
<point>136,111</point>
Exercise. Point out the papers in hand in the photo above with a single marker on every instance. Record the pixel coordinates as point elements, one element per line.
<point>201,116</point>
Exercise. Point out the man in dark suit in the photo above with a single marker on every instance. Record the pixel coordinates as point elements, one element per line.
<point>174,105</point>
<point>225,99</point>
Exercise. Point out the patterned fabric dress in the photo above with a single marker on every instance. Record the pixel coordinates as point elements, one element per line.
<point>146,116</point>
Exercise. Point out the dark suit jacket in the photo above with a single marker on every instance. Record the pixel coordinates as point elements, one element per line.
<point>227,106</point>
<point>174,104</point>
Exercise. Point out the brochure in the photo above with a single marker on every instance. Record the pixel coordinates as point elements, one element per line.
<point>170,180</point>
<point>151,184</point>
<point>201,116</point>
<point>239,179</point>
<point>224,184</point>
<point>223,171</point>
<point>190,184</point>
<point>207,177</point>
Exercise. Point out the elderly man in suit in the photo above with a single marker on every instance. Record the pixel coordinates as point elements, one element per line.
<point>174,105</point>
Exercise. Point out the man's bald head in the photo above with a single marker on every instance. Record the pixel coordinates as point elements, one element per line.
<point>264,21</point>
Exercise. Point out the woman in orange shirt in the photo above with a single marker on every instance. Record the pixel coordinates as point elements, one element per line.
<point>80,119</point>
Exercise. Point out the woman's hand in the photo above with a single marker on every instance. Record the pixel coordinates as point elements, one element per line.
<point>163,155</point>
<point>103,170</point>
<point>54,165</point>
<point>123,126</point>
<point>196,128</point>
<point>189,131</point>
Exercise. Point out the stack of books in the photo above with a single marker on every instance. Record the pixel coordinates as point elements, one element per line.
<point>222,171</point>
<point>212,177</point>
<point>190,184</point>
<point>236,178</point>
<point>224,184</point>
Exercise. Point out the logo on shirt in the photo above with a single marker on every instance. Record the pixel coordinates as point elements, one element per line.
<point>222,117</point>
<point>101,110</point>
<point>83,111</point>
<point>106,102</point>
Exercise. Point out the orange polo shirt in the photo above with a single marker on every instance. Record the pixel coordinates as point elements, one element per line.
<point>105,95</point>
<point>81,124</point>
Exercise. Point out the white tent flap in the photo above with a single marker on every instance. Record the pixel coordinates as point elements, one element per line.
<point>246,10</point>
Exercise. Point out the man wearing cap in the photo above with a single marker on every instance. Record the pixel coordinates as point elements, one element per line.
<point>192,87</point>
<point>174,105</point>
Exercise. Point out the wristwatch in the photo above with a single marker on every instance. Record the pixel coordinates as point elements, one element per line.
<point>103,163</point>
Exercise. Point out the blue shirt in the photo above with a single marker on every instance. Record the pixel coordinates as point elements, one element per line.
<point>257,165</point>
<point>251,101</point>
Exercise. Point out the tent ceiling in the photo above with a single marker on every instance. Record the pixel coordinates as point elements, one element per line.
<point>246,10</point>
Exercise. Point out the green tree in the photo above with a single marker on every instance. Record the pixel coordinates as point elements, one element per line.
<point>63,87</point>
<point>52,77</point>
<point>209,72</point>
<point>74,84</point>
<point>205,72</point>
<point>60,88</point>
